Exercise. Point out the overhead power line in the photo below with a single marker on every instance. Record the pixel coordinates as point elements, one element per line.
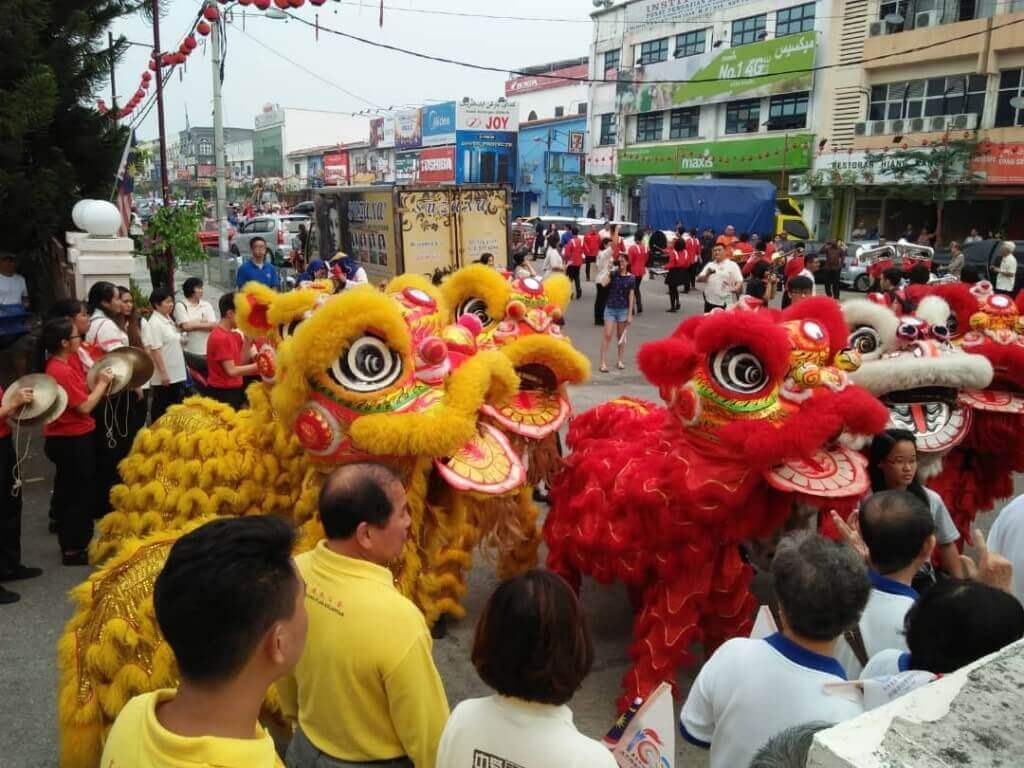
<point>598,80</point>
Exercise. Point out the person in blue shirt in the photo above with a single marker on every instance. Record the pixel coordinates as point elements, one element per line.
<point>257,268</point>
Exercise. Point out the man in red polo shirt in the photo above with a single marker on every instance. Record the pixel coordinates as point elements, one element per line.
<point>572,253</point>
<point>591,247</point>
<point>225,371</point>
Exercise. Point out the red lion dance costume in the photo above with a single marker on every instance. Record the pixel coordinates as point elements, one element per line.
<point>979,471</point>
<point>661,497</point>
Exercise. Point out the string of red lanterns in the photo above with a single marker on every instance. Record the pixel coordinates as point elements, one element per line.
<point>178,56</point>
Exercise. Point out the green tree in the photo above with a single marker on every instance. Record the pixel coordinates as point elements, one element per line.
<point>938,171</point>
<point>55,148</point>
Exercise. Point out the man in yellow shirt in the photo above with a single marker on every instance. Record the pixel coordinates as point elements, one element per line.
<point>230,604</point>
<point>366,689</point>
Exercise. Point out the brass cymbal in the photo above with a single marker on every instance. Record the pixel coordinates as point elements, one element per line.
<point>121,366</point>
<point>142,365</point>
<point>57,408</point>
<point>44,396</point>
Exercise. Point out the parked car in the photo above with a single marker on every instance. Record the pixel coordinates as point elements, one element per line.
<point>981,256</point>
<point>209,235</point>
<point>277,230</point>
<point>306,208</point>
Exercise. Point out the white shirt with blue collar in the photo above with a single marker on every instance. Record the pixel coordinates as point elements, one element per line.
<point>891,661</point>
<point>881,624</point>
<point>750,690</point>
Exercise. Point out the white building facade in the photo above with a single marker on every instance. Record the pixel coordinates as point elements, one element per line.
<point>280,131</point>
<point>550,91</point>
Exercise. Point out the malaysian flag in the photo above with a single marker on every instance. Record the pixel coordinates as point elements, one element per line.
<point>125,186</point>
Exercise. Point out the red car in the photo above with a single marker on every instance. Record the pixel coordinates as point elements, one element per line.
<point>209,235</point>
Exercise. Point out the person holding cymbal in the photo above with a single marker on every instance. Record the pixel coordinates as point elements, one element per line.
<point>11,567</point>
<point>69,442</point>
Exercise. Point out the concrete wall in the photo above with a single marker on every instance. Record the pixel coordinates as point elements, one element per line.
<point>970,717</point>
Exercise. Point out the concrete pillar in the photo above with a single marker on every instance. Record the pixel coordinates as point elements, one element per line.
<point>95,259</point>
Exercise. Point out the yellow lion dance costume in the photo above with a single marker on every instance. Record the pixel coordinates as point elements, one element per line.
<point>361,375</point>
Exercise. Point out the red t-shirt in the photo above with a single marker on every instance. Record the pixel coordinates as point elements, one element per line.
<point>573,253</point>
<point>637,260</point>
<point>794,266</point>
<point>70,376</point>
<point>591,245</point>
<point>693,248</point>
<point>746,248</point>
<point>220,346</point>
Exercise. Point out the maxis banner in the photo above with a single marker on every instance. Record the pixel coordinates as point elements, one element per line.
<point>485,157</point>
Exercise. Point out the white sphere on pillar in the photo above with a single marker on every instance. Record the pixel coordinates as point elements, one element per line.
<point>101,218</point>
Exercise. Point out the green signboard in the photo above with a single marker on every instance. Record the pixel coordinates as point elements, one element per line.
<point>774,153</point>
<point>267,157</point>
<point>783,65</point>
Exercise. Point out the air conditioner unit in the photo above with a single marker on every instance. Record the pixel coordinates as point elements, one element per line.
<point>896,126</point>
<point>798,185</point>
<point>965,122</point>
<point>878,127</point>
<point>876,28</point>
<point>927,19</point>
<point>860,129</point>
<point>527,178</point>
<point>937,123</point>
<point>916,125</point>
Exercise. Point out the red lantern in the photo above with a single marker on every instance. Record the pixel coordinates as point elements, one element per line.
<point>296,3</point>
<point>190,42</point>
<point>210,13</point>
<point>140,94</point>
<point>152,64</point>
<point>183,49</point>
<point>144,85</point>
<point>167,59</point>
<point>245,2</point>
<point>203,28</point>
<point>262,4</point>
<point>282,4</point>
<point>180,58</point>
<point>146,77</point>
<point>318,2</point>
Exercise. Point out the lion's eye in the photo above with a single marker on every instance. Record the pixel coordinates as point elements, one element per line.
<point>739,370</point>
<point>367,366</point>
<point>865,340</point>
<point>477,307</point>
<point>286,331</point>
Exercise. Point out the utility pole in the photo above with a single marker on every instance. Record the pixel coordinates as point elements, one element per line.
<point>113,83</point>
<point>160,124</point>
<point>218,139</point>
<point>547,174</point>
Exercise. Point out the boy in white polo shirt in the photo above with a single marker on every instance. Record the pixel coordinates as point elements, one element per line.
<point>899,532</point>
<point>750,689</point>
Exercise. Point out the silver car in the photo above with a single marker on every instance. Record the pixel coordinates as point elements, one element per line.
<point>278,230</point>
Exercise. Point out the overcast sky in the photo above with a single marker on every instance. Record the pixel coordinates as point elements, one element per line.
<point>257,70</point>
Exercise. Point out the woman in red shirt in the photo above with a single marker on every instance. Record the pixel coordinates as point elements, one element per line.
<point>69,442</point>
<point>573,255</point>
<point>677,266</point>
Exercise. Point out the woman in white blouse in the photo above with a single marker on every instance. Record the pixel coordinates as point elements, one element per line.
<point>196,316</point>
<point>163,342</point>
<point>533,648</point>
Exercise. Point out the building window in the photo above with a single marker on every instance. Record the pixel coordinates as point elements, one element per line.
<point>790,21</point>
<point>531,117</point>
<point>684,123</point>
<point>749,30</point>
<point>648,126</point>
<point>608,130</point>
<point>742,116</point>
<point>581,108</point>
<point>691,43</point>
<point>205,147</point>
<point>787,111</point>
<point>296,169</point>
<point>559,111</point>
<point>1010,82</point>
<point>611,60</point>
<point>953,95</point>
<point>653,51</point>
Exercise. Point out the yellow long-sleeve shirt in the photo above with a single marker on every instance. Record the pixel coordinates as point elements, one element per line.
<point>366,687</point>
